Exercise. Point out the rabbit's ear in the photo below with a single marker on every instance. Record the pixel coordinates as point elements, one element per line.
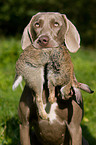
<point>27,38</point>
<point>72,37</point>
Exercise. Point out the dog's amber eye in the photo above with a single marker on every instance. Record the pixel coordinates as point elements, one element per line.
<point>37,25</point>
<point>56,24</point>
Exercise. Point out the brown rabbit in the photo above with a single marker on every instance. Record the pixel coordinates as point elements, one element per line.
<point>30,65</point>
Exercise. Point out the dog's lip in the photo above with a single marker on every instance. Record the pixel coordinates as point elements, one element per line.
<point>37,46</point>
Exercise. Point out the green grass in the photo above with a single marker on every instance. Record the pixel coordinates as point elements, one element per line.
<point>85,69</point>
<point>9,129</point>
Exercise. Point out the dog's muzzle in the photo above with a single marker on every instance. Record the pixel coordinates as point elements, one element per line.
<point>43,41</point>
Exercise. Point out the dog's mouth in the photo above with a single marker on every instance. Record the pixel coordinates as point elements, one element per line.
<point>38,46</point>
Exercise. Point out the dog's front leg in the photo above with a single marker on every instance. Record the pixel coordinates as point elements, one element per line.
<point>74,127</point>
<point>24,135</point>
<point>24,115</point>
<point>75,133</point>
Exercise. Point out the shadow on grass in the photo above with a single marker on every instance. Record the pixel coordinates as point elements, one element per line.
<point>87,135</point>
<point>12,133</point>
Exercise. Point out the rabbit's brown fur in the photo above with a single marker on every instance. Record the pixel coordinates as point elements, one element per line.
<point>31,65</point>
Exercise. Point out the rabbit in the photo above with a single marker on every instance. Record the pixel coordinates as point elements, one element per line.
<point>31,65</point>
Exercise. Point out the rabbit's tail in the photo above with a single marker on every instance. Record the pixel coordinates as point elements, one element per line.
<point>17,81</point>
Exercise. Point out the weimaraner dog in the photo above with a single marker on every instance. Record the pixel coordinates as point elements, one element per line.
<point>50,30</point>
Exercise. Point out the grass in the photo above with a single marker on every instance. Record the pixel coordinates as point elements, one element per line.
<point>9,131</point>
<point>85,69</point>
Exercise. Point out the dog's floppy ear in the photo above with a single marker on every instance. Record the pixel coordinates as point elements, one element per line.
<point>25,41</point>
<point>27,36</point>
<point>72,37</point>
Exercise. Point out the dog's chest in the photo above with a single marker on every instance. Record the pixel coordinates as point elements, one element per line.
<point>52,131</point>
<point>50,109</point>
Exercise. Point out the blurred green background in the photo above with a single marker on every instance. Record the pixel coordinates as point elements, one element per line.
<point>14,16</point>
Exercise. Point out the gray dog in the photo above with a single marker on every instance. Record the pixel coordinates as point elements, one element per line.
<point>51,30</point>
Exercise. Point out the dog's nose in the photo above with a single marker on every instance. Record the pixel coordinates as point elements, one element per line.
<point>43,40</point>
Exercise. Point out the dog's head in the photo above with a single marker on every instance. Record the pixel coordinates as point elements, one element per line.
<point>51,30</point>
